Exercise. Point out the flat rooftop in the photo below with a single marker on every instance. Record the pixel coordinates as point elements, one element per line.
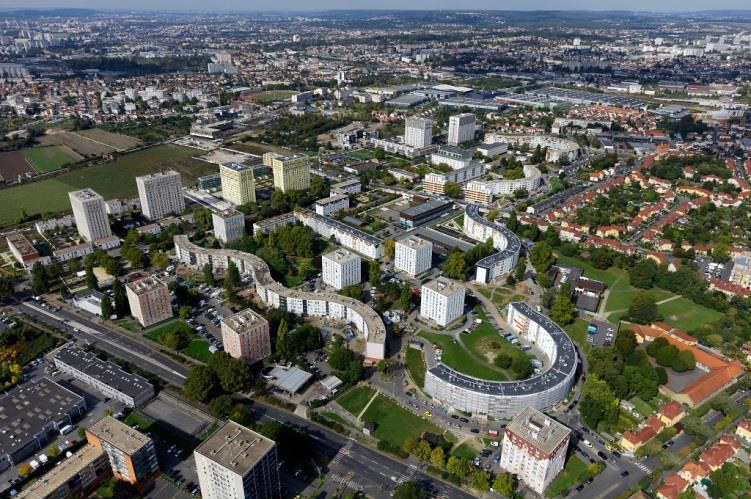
<point>228,213</point>
<point>513,243</point>
<point>165,173</point>
<point>289,379</point>
<point>22,244</point>
<point>414,242</point>
<point>59,475</point>
<point>424,208</point>
<point>103,371</point>
<point>341,256</point>
<point>538,430</point>
<point>331,199</point>
<point>84,194</point>
<point>236,167</point>
<point>446,287</point>
<point>145,285</point>
<point>244,320</point>
<point>26,409</point>
<point>119,435</point>
<point>236,448</point>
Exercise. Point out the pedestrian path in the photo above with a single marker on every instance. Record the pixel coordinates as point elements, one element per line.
<point>346,481</point>
<point>359,416</point>
<point>344,451</point>
<point>408,475</point>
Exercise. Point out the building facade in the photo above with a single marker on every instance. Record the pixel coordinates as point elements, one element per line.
<point>534,448</point>
<point>90,215</point>
<point>237,463</point>
<point>349,237</point>
<point>150,301</point>
<point>341,268</point>
<point>291,173</point>
<point>238,183</point>
<point>424,212</point>
<point>161,194</point>
<point>461,128</point>
<point>436,182</point>
<point>229,225</point>
<point>483,191</point>
<point>76,476</point>
<point>418,132</point>
<point>442,301</point>
<point>131,454</point>
<point>333,204</point>
<point>413,255</point>
<point>245,335</point>
<point>506,242</point>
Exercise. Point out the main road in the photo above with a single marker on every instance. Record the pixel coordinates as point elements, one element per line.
<point>374,472</point>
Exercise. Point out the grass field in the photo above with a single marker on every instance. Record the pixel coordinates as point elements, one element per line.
<point>273,95</point>
<point>455,357</point>
<point>112,180</point>
<point>687,315</point>
<point>577,331</point>
<point>465,450</point>
<point>336,417</point>
<point>395,424</point>
<point>117,141</point>
<point>355,399</point>
<point>486,343</point>
<point>416,366</point>
<point>642,407</point>
<point>198,348</point>
<point>79,143</point>
<point>47,159</point>
<point>566,479</point>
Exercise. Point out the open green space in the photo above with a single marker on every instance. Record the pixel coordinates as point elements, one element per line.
<point>684,314</point>
<point>394,424</point>
<point>416,366</point>
<point>273,95</point>
<point>355,399</point>
<point>642,407</point>
<point>198,348</point>
<point>361,154</point>
<point>566,479</point>
<point>336,417</point>
<point>114,179</point>
<point>577,331</point>
<point>501,295</point>
<point>486,343</point>
<point>465,450</point>
<point>457,358</point>
<point>165,434</point>
<point>47,159</point>
<point>608,276</point>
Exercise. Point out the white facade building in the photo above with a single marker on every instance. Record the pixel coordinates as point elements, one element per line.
<point>331,205</point>
<point>161,194</point>
<point>90,214</point>
<point>534,448</point>
<point>418,132</point>
<point>341,268</point>
<point>349,237</point>
<point>229,225</point>
<point>413,255</point>
<point>442,301</point>
<point>455,157</point>
<point>461,128</point>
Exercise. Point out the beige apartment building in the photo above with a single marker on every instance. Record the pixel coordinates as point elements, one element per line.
<point>245,335</point>
<point>149,300</point>
<point>291,173</point>
<point>90,215</point>
<point>238,183</point>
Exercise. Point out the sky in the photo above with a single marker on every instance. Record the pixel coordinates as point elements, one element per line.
<point>277,5</point>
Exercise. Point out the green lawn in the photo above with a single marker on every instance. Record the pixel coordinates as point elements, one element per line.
<point>642,407</point>
<point>114,179</point>
<point>465,450</point>
<point>567,478</point>
<point>455,357</point>
<point>607,276</point>
<point>416,366</point>
<point>198,348</point>
<point>485,342</point>
<point>47,159</point>
<point>355,399</point>
<point>273,95</point>
<point>336,417</point>
<point>684,314</point>
<point>577,331</point>
<point>395,424</point>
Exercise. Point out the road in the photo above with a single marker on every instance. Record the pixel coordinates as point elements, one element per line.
<point>374,472</point>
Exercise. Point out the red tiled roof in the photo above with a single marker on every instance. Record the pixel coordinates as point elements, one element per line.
<point>673,487</point>
<point>671,410</point>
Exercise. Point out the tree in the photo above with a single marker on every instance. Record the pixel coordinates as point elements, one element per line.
<point>25,469</point>
<point>491,215</point>
<point>643,309</point>
<point>458,466</point>
<point>6,288</point>
<point>685,361</point>
<point>160,260</point>
<point>438,457</point>
<point>208,274</point>
<point>233,374</point>
<point>201,383</point>
<point>389,248</point>
<point>405,297</point>
<point>453,190</point>
<point>505,484</point>
<point>542,257</point>
<point>221,406</point>
<point>177,339</point>
<point>120,298</point>
<point>642,275</point>
<point>282,345</point>
<point>107,309</point>
<point>563,311</point>
<point>136,258</point>
<point>455,266</point>
<point>598,402</point>
<point>423,451</point>
<point>124,490</point>
<point>53,451</point>
<point>409,490</point>
<point>625,342</point>
<point>39,279</point>
<point>353,291</point>
<point>481,480</point>
<point>233,275</point>
<point>91,281</point>
<point>521,268</point>
<point>184,312</point>
<point>374,273</point>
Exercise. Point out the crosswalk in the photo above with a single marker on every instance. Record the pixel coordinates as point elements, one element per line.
<point>344,451</point>
<point>408,475</point>
<point>346,481</point>
<point>643,467</point>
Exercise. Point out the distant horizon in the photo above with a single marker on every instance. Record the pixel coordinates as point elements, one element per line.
<point>298,6</point>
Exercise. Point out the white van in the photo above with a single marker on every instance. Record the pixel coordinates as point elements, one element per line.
<point>66,429</point>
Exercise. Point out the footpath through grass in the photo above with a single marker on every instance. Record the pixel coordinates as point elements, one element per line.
<point>394,424</point>
<point>355,399</point>
<point>455,357</point>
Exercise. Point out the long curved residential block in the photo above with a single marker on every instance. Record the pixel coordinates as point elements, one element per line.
<point>506,399</point>
<point>480,229</point>
<point>295,301</point>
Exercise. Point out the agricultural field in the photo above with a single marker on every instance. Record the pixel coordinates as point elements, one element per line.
<point>50,158</point>
<point>82,145</point>
<point>117,141</point>
<point>13,164</point>
<point>112,180</point>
